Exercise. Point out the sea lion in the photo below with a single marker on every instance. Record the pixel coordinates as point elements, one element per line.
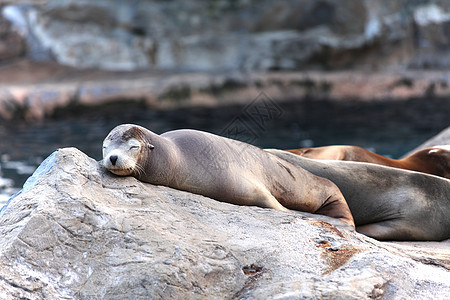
<point>387,203</point>
<point>433,160</point>
<point>220,168</point>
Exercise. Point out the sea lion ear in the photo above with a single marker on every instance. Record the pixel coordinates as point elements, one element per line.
<point>150,146</point>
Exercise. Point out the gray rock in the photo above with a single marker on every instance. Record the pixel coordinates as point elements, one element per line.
<point>442,138</point>
<point>242,35</point>
<point>78,232</point>
<point>12,44</point>
<point>431,37</point>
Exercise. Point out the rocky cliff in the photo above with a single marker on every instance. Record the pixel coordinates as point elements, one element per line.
<point>75,231</point>
<point>66,54</point>
<point>235,35</point>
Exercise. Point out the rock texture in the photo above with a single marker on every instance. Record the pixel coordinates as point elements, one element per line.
<point>78,232</point>
<point>12,43</point>
<point>240,35</point>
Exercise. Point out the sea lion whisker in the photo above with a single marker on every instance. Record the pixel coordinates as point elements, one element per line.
<point>140,170</point>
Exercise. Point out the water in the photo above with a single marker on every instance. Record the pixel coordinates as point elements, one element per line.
<point>390,129</point>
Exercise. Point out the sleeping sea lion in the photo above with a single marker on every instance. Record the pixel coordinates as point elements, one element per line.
<point>434,160</point>
<point>386,203</point>
<point>220,168</point>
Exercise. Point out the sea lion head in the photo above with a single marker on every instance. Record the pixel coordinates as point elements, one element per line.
<point>441,157</point>
<point>124,148</point>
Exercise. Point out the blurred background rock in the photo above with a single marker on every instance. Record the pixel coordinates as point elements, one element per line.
<point>229,34</point>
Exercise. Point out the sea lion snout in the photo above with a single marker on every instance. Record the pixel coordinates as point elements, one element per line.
<point>118,164</point>
<point>113,159</point>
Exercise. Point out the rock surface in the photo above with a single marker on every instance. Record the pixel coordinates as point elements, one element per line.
<point>239,35</point>
<point>12,43</point>
<point>76,231</point>
<point>443,138</point>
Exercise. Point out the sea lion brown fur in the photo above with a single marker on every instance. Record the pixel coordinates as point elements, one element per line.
<point>387,203</point>
<point>434,160</point>
<point>220,168</point>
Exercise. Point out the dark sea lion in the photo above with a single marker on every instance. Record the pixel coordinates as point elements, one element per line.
<point>433,160</point>
<point>387,203</point>
<point>220,168</point>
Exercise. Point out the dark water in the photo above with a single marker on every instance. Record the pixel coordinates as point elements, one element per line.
<point>389,129</point>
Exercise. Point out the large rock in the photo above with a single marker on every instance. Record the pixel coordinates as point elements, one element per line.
<point>244,34</point>
<point>76,231</point>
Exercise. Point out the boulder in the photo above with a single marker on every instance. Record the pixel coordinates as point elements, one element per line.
<point>76,231</point>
